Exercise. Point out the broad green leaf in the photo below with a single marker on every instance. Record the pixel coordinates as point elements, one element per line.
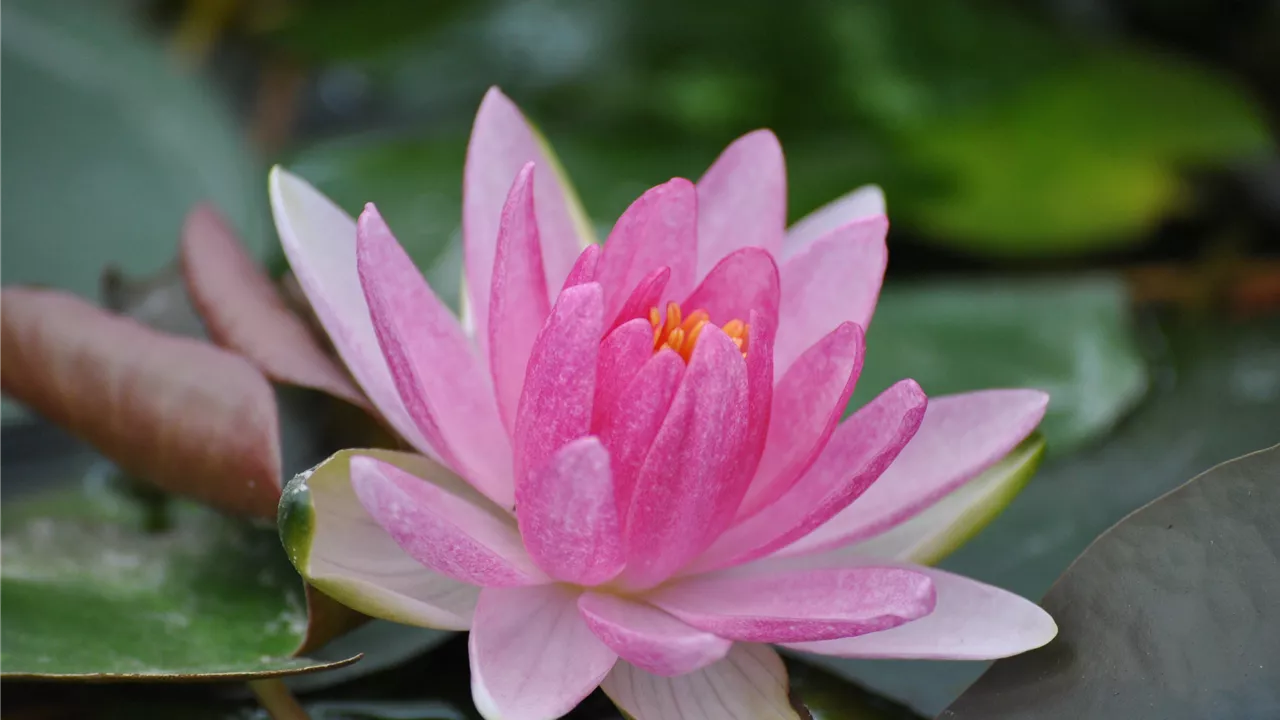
<point>1087,156</point>
<point>99,585</point>
<point>1218,396</point>
<point>1070,338</point>
<point>1170,614</point>
<point>937,532</point>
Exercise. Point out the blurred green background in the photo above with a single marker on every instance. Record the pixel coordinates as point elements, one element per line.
<point>1084,194</point>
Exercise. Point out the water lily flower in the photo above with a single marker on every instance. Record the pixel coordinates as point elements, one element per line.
<point>631,469</point>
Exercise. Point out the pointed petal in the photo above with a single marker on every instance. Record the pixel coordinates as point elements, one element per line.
<point>658,230</point>
<point>836,279</point>
<point>949,523</point>
<point>320,241</point>
<point>742,199</point>
<point>242,311</point>
<point>749,684</point>
<point>961,436</point>
<point>341,550</point>
<point>568,518</point>
<point>622,354</point>
<point>532,655</point>
<point>468,541</point>
<point>634,418</point>
<point>518,304</point>
<point>649,638</point>
<point>584,268</point>
<point>861,203</point>
<point>807,405</point>
<point>859,452</point>
<point>560,383</point>
<point>648,293</point>
<point>798,605</point>
<point>743,281</point>
<point>686,491</point>
<point>971,621</point>
<point>502,142</point>
<point>440,380</point>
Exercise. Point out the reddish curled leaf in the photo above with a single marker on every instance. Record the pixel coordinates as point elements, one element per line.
<point>242,310</point>
<point>192,418</point>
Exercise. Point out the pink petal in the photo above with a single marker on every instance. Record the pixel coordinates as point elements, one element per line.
<point>560,382</point>
<point>686,491</point>
<point>760,386</point>
<point>584,268</point>
<point>648,293</point>
<point>320,241</point>
<point>518,303</point>
<point>658,230</point>
<point>750,683</point>
<point>835,279</point>
<point>648,637</point>
<point>961,436</point>
<point>743,281</point>
<point>634,417</point>
<point>807,405</point>
<point>859,452</point>
<point>971,621</point>
<point>434,366</point>
<point>532,655</point>
<point>445,532</point>
<point>622,353</point>
<point>742,199</point>
<point>799,605</point>
<point>568,517</point>
<point>861,203</point>
<point>502,142</point>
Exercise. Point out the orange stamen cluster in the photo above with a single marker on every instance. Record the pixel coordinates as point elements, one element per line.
<point>681,333</point>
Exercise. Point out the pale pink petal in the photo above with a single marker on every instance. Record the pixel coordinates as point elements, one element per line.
<point>647,294</point>
<point>742,199</point>
<point>440,380</point>
<point>320,241</point>
<point>743,281</point>
<point>754,605</point>
<point>971,621</point>
<point>835,279</point>
<point>861,203</point>
<point>807,405</point>
<point>568,517</point>
<point>622,353</point>
<point>750,683</point>
<point>658,230</point>
<point>961,436</point>
<point>518,304</point>
<point>341,550</point>
<point>502,142</point>
<point>649,638</point>
<point>687,491</point>
<point>532,655</point>
<point>858,453</point>
<point>635,416</point>
<point>584,268</point>
<point>560,382</point>
<point>445,532</point>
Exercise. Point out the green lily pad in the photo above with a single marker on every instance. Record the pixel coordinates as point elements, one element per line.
<point>101,585</point>
<point>1215,395</point>
<point>1170,614</point>
<point>1070,338</point>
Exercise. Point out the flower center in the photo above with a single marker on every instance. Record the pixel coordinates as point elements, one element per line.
<point>681,333</point>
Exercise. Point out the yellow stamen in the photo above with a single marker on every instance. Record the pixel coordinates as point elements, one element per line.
<point>675,331</point>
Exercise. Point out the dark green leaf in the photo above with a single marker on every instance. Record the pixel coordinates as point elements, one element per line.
<point>1171,614</point>
<point>100,585</point>
<point>1070,338</point>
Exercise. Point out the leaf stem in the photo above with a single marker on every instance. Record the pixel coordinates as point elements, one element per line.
<point>276,699</point>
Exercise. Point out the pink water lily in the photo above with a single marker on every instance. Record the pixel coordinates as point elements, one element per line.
<point>633,470</point>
